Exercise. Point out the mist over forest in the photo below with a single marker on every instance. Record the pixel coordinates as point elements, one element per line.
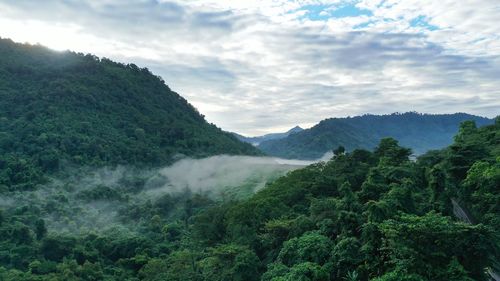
<point>107,173</point>
<point>97,199</point>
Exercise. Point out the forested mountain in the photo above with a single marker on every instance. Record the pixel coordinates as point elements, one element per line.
<point>61,107</point>
<point>273,136</point>
<point>363,215</point>
<point>420,132</point>
<point>360,216</point>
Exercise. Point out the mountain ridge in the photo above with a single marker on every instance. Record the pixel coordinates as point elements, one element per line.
<point>60,107</point>
<point>272,136</point>
<point>421,132</point>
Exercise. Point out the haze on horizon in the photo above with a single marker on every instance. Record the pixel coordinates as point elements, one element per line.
<point>256,67</point>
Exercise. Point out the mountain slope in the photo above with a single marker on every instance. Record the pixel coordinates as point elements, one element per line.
<point>58,107</point>
<point>421,132</point>
<point>359,216</point>
<point>273,136</point>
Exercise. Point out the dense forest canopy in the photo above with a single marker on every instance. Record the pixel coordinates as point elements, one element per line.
<point>360,216</point>
<point>420,132</point>
<point>60,108</point>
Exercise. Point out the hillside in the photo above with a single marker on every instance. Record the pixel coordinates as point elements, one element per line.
<point>361,216</point>
<point>272,136</point>
<point>420,132</point>
<point>61,107</point>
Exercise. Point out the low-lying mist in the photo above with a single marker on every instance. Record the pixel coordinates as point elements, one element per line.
<point>108,198</point>
<point>218,173</point>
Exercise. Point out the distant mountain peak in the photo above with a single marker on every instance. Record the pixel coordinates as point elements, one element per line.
<point>418,131</point>
<point>273,136</point>
<point>295,129</point>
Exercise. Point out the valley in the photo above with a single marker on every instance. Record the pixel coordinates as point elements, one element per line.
<point>108,174</point>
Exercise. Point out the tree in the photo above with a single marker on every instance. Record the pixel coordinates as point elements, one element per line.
<point>346,256</point>
<point>425,245</point>
<point>339,151</point>
<point>310,247</point>
<point>40,229</point>
<point>390,153</point>
<point>400,275</point>
<point>157,270</point>
<point>230,262</point>
<point>179,266</point>
<point>467,149</point>
<point>55,248</point>
<point>306,271</point>
<point>351,276</point>
<point>22,234</point>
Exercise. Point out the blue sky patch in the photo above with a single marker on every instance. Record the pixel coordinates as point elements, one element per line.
<point>349,10</point>
<point>314,12</point>
<point>325,12</point>
<point>363,25</point>
<point>421,21</point>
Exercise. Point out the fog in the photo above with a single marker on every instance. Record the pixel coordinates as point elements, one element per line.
<point>99,200</point>
<point>217,173</point>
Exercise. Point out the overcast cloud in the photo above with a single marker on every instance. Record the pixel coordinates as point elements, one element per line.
<point>255,67</point>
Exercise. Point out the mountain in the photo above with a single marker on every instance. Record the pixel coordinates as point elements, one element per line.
<point>420,132</point>
<point>273,136</point>
<point>362,215</point>
<point>64,107</point>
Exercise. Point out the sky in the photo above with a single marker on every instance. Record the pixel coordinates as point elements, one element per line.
<point>262,66</point>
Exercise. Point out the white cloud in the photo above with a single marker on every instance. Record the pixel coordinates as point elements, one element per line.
<point>261,66</point>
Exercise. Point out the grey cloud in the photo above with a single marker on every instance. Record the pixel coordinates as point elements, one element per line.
<point>128,20</point>
<point>223,20</point>
<point>359,50</point>
<point>252,75</point>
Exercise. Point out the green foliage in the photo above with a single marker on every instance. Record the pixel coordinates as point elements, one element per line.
<point>230,262</point>
<point>446,241</point>
<point>420,132</point>
<point>40,229</point>
<point>360,216</point>
<point>179,266</point>
<point>60,108</point>
<point>351,276</point>
<point>310,247</point>
<point>398,275</point>
<point>306,271</point>
<point>390,153</point>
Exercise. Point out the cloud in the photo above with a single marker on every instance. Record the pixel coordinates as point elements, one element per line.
<point>217,174</point>
<point>95,199</point>
<point>260,66</point>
